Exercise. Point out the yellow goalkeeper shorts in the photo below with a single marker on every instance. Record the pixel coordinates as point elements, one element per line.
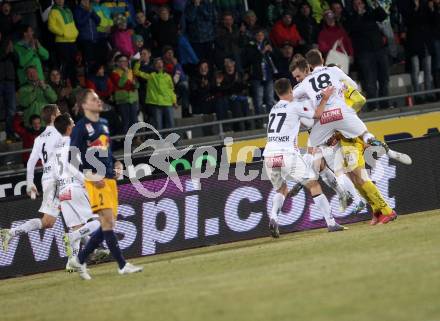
<point>103,198</point>
<point>353,152</point>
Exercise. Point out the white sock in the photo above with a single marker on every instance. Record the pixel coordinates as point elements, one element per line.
<point>31,225</point>
<point>84,230</point>
<point>277,204</point>
<point>322,203</point>
<point>348,186</point>
<point>367,137</point>
<point>331,181</point>
<point>75,246</point>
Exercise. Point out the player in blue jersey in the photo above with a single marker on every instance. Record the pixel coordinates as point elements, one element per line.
<point>91,137</point>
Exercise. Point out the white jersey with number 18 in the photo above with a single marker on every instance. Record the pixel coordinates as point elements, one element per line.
<point>320,78</point>
<point>283,126</point>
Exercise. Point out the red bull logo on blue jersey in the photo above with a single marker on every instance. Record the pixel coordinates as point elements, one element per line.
<point>102,142</point>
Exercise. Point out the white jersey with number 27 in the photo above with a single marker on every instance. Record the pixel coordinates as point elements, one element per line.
<point>283,126</point>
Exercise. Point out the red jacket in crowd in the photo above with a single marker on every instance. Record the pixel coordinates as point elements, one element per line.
<point>329,35</point>
<point>27,135</point>
<point>281,34</point>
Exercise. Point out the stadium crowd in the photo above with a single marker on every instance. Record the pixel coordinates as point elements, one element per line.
<point>206,56</point>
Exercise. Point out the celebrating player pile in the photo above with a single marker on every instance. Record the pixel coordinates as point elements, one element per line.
<point>339,124</point>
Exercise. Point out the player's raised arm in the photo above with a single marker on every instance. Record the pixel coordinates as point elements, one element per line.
<point>326,94</point>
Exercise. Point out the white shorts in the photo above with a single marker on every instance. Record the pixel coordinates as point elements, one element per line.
<point>342,120</point>
<point>75,206</point>
<point>51,203</point>
<point>288,167</point>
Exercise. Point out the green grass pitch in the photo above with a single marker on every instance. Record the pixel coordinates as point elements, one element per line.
<point>389,272</point>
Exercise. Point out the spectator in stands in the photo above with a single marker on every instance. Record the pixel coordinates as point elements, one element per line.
<point>87,22</point>
<point>235,7</point>
<point>160,94</point>
<point>201,90</point>
<point>318,8</point>
<point>200,19</point>
<point>165,31</point>
<point>181,85</point>
<point>126,94</point>
<point>275,11</point>
<point>138,43</point>
<point>419,45</point>
<point>62,25</point>
<point>258,63</point>
<point>100,82</point>
<point>7,83</point>
<point>307,26</point>
<point>220,97</point>
<point>229,41</point>
<point>368,45</point>
<point>121,7</point>
<point>155,5</point>
<point>34,95</point>
<point>104,29</point>
<point>250,23</point>
<point>235,87</point>
<point>285,30</point>
<point>143,28</point>
<point>8,21</point>
<point>29,53</point>
<point>63,89</point>
<point>332,32</point>
<point>339,12</point>
<point>282,60</point>
<point>122,37</point>
<point>144,65</point>
<point>28,134</point>
<point>434,7</point>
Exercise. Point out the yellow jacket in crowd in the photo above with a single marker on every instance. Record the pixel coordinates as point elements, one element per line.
<point>61,24</point>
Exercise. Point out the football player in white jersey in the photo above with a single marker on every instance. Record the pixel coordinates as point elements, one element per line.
<point>282,159</point>
<point>75,205</point>
<point>44,147</point>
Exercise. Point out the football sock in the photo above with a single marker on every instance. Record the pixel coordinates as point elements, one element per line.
<point>31,225</point>
<point>75,247</point>
<point>95,239</point>
<point>346,183</point>
<point>375,196</point>
<point>85,230</point>
<point>367,199</point>
<point>322,203</point>
<point>330,180</point>
<point>277,204</point>
<point>113,246</point>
